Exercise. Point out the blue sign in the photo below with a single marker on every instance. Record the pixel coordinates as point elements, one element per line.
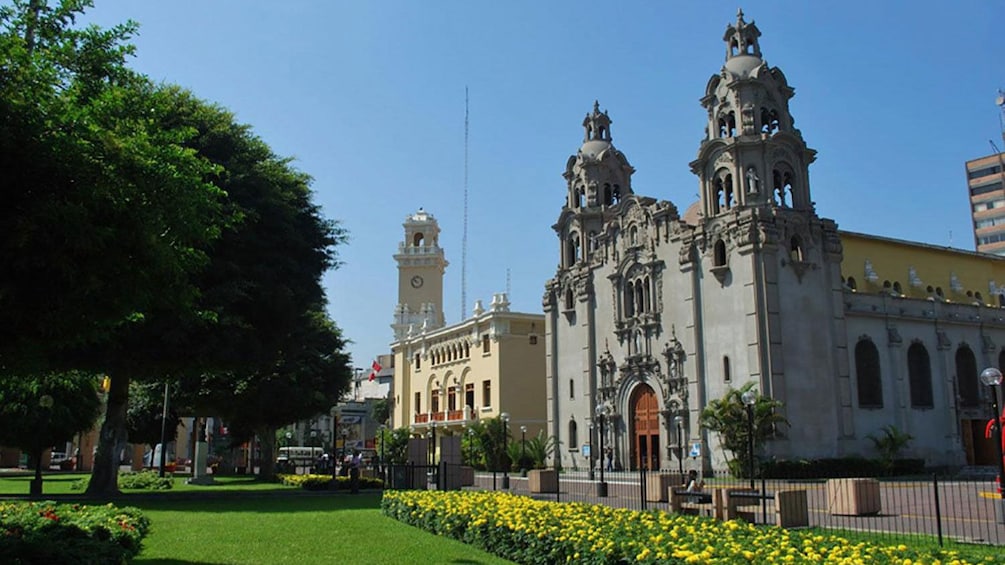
<point>695,449</point>
<point>585,450</point>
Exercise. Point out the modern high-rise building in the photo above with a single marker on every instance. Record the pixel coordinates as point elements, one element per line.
<point>986,182</point>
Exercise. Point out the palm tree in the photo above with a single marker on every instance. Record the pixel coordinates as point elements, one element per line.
<point>727,416</point>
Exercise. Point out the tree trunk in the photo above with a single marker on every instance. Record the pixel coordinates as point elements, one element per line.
<point>105,474</point>
<point>267,452</point>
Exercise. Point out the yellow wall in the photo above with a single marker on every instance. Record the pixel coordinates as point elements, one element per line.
<point>934,265</point>
<point>513,365</point>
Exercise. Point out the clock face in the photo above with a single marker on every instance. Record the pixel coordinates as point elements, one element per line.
<point>416,281</point>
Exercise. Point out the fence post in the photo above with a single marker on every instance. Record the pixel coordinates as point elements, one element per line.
<point>764,501</point>
<point>938,507</point>
<point>558,484</point>
<point>642,485</point>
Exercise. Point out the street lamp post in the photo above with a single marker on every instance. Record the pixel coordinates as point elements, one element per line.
<point>601,416</point>
<point>992,377</point>
<point>679,420</point>
<point>471,447</point>
<point>35,488</point>
<point>593,455</point>
<point>505,478</point>
<point>334,458</point>
<point>383,466</point>
<point>749,398</point>
<point>523,448</point>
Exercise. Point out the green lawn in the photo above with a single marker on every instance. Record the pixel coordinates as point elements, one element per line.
<point>270,523</point>
<point>59,483</point>
<point>338,528</point>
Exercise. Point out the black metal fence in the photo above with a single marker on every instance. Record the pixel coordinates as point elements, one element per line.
<point>897,510</point>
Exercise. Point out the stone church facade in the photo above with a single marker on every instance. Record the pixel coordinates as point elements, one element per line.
<point>652,314</point>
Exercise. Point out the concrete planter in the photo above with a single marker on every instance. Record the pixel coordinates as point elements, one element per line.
<point>542,480</point>
<point>853,497</point>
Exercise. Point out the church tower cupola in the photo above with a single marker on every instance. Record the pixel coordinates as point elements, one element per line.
<point>598,174</point>
<point>741,38</point>
<point>752,155</point>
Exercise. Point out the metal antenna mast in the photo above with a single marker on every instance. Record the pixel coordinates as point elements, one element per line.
<point>507,282</point>
<point>464,231</point>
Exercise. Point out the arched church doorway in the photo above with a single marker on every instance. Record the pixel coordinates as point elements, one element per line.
<point>645,431</point>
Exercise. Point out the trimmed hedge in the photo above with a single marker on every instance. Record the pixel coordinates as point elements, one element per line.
<point>47,532</point>
<point>839,468</point>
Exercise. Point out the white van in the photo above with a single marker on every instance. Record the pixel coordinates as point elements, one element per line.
<point>296,458</point>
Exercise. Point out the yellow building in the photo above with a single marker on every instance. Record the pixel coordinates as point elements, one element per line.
<point>908,269</point>
<point>448,376</point>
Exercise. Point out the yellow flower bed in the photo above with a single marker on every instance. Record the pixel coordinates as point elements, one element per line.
<point>530,531</point>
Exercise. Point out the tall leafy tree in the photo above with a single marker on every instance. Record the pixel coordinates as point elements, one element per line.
<point>312,372</point>
<point>44,410</point>
<point>727,416</point>
<point>145,414</point>
<point>106,211</point>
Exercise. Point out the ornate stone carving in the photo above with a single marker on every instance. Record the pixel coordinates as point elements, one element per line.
<point>943,340</point>
<point>893,336</point>
<point>675,385</point>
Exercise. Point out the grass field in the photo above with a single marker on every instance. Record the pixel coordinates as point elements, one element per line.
<point>59,484</point>
<point>292,529</point>
<point>241,521</point>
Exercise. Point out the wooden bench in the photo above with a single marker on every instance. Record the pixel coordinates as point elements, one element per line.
<point>703,503</point>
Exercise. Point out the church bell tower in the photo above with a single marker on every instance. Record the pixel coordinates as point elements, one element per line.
<point>421,265</point>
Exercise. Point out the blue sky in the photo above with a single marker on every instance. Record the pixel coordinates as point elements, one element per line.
<point>368,97</point>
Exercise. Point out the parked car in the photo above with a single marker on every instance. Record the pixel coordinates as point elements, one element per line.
<point>59,460</point>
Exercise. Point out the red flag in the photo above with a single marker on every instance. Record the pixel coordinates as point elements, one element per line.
<point>376,367</point>
<point>373,375</point>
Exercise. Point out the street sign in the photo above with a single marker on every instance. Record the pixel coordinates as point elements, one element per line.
<point>585,449</point>
<point>695,449</point>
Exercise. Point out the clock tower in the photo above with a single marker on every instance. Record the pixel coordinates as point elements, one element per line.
<point>421,265</point>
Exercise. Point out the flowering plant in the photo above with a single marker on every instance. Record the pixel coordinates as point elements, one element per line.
<point>530,531</point>
<point>47,532</point>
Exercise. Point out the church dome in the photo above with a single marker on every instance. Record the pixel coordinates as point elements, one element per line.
<point>692,216</point>
<point>742,66</point>
<point>594,148</point>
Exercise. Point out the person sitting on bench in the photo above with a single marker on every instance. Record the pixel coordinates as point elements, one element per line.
<point>694,484</point>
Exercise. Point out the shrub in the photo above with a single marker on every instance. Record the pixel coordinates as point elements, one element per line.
<point>839,467</point>
<point>146,480</point>
<point>47,532</point>
<point>324,482</point>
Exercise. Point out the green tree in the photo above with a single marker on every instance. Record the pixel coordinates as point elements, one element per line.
<point>38,412</point>
<point>381,411</point>
<point>489,444</point>
<point>145,415</point>
<point>106,213</point>
<point>727,416</point>
<point>395,445</point>
<point>312,372</point>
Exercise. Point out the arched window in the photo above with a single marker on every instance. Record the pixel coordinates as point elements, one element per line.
<point>629,300</point>
<point>897,288</point>
<point>919,370</point>
<point>796,249</point>
<point>719,252</point>
<point>569,299</point>
<point>608,195</point>
<point>640,299</point>
<point>573,435</point>
<point>852,284</point>
<point>870,384</point>
<point>417,239</point>
<point>726,376</point>
<point>646,292</point>
<point>769,121</point>
<point>572,388</point>
<point>966,377</point>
